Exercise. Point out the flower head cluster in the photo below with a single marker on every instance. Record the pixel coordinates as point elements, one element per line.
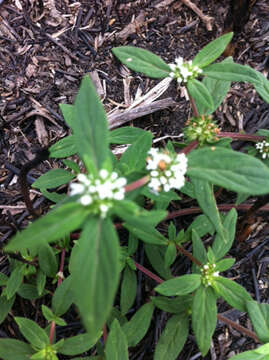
<point>208,274</point>
<point>167,170</point>
<point>263,148</point>
<point>184,71</point>
<point>99,192</point>
<point>203,129</point>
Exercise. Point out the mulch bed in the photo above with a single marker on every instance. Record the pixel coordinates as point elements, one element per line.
<point>46,47</point>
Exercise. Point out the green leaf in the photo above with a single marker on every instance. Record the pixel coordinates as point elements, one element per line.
<point>87,358</point>
<point>72,165</point>
<point>155,254</point>
<point>29,292</point>
<point>212,50</point>
<point>204,317</point>
<point>63,148</point>
<point>160,200</point>
<point>142,61</point>
<point>230,169</point>
<point>199,252</point>
<point>172,231</point>
<point>263,88</point>
<point>33,333</point>
<point>63,297</point>
<point>188,189</point>
<point>139,217</point>
<point>5,306</point>
<point>47,260</point>
<point>138,326</point>
<point>3,279</point>
<point>253,354</point>
<point>11,349</point>
<point>98,250</point>
<point>233,293</point>
<point>116,345</point>
<point>176,305</point>
<point>218,90</point>
<point>125,135</point>
<point>262,132</point>
<point>201,225</point>
<point>210,256</point>
<point>232,72</point>
<point>219,247</point>
<point>200,94</point>
<point>206,200</point>
<point>49,316</point>
<point>40,281</point>
<point>135,156</point>
<point>79,344</point>
<point>53,196</point>
<point>14,282</point>
<point>181,285</point>
<point>68,113</point>
<point>173,338</point>
<point>170,254</point>
<point>47,313</point>
<point>259,316</point>
<point>90,127</point>
<point>132,244</point>
<point>224,264</point>
<point>116,314</point>
<point>128,289</point>
<point>263,349</point>
<point>52,227</point>
<point>53,178</point>
<point>149,235</point>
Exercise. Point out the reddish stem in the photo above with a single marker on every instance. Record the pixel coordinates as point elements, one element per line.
<point>243,137</point>
<point>105,333</point>
<point>137,184</point>
<point>52,331</point>
<point>191,146</point>
<point>148,273</point>
<point>193,106</point>
<point>238,327</point>
<point>223,207</point>
<point>188,255</point>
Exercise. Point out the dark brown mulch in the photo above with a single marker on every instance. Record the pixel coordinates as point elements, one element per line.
<point>46,47</point>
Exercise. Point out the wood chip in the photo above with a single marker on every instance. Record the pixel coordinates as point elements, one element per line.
<point>132,27</point>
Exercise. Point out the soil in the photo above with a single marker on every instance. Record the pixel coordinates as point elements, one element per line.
<point>47,46</point>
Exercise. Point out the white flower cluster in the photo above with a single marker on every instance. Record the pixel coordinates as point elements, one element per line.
<point>208,274</point>
<point>211,267</point>
<point>99,192</point>
<point>166,170</point>
<point>184,71</point>
<point>263,148</point>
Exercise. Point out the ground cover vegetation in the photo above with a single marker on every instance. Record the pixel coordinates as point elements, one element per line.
<point>75,256</point>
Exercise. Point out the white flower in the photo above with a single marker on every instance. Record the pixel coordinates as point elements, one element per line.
<point>103,208</point>
<point>263,148</point>
<point>76,189</point>
<point>184,71</point>
<point>85,200</point>
<point>99,192</point>
<point>103,174</point>
<point>166,170</point>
